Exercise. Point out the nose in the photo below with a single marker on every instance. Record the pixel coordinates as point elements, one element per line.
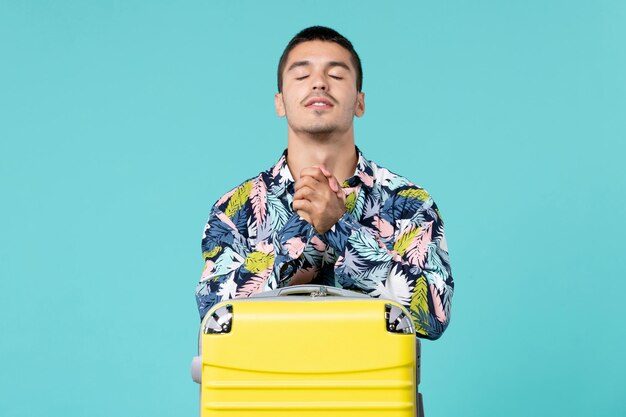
<point>319,82</point>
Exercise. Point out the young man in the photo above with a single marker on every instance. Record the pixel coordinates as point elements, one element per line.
<point>324,214</point>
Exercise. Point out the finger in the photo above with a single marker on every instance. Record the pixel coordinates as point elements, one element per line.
<point>302,205</point>
<point>334,184</point>
<point>316,189</point>
<point>305,192</point>
<point>342,195</point>
<point>324,170</point>
<point>314,172</point>
<point>332,181</point>
<point>307,182</point>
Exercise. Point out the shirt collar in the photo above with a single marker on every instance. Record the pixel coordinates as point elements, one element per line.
<point>363,173</point>
<point>283,180</point>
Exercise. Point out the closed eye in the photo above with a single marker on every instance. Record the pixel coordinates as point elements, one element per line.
<point>301,78</point>
<point>336,77</point>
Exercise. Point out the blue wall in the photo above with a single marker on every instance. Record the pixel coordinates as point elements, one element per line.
<point>116,123</point>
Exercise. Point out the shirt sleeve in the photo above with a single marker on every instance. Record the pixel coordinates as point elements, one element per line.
<point>234,267</point>
<point>411,266</point>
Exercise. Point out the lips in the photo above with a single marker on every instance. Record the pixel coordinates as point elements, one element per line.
<point>319,103</point>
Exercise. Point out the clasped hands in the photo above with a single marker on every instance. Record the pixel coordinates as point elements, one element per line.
<point>318,198</point>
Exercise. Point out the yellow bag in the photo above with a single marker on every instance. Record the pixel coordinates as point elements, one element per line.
<point>308,351</point>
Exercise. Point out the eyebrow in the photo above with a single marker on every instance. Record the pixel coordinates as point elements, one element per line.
<point>329,64</point>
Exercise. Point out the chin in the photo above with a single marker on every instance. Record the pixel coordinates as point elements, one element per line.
<point>317,128</point>
<point>320,128</point>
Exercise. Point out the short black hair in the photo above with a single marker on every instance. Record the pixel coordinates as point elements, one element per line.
<point>320,33</point>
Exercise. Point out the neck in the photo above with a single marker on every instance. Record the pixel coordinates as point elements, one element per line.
<point>335,152</point>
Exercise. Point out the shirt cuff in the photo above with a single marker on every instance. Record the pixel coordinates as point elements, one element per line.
<point>337,236</point>
<point>290,243</point>
<point>296,227</point>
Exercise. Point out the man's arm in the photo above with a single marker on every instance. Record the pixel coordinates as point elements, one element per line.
<point>235,269</point>
<point>414,272</point>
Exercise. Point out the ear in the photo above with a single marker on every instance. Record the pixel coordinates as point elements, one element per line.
<point>359,108</point>
<point>280,105</point>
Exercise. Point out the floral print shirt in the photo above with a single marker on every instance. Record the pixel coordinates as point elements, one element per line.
<point>390,243</point>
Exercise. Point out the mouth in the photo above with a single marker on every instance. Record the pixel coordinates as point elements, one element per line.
<point>319,103</point>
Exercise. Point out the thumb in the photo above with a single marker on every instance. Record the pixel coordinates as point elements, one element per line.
<point>332,181</point>
<point>342,195</point>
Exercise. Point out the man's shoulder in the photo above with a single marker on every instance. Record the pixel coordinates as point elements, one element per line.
<point>400,197</point>
<point>395,184</point>
<point>238,196</point>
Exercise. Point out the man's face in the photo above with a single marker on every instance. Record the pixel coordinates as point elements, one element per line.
<point>319,89</point>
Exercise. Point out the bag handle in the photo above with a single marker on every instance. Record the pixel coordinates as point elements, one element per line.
<point>312,290</point>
